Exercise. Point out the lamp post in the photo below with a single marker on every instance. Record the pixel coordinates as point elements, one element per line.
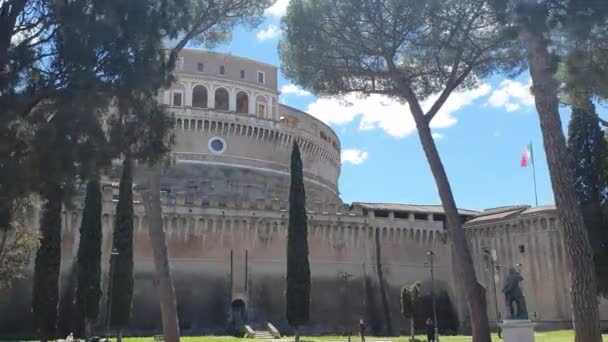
<point>113,256</point>
<point>431,258</point>
<point>345,276</point>
<point>489,258</point>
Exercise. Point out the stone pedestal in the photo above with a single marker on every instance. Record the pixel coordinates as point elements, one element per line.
<point>517,330</point>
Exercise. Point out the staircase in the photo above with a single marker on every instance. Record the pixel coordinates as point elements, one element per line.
<point>267,334</point>
<point>262,334</point>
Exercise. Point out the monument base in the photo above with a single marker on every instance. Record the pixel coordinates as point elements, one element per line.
<point>517,330</point>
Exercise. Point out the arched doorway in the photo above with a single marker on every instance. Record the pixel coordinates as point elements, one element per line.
<point>238,313</point>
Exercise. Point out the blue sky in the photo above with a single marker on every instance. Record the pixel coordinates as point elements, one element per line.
<point>481,135</point>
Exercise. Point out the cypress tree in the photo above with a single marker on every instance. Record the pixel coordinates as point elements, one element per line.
<point>298,269</point>
<point>589,151</point>
<point>47,266</point>
<point>122,265</point>
<point>88,291</point>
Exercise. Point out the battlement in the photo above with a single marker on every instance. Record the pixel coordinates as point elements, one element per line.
<point>182,203</point>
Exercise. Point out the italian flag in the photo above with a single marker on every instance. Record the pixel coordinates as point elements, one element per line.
<point>527,157</point>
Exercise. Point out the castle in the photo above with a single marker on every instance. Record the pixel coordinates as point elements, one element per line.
<point>225,213</point>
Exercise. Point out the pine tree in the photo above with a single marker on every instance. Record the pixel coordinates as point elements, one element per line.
<point>121,267</point>
<point>88,291</point>
<point>298,269</point>
<point>589,155</point>
<point>47,266</point>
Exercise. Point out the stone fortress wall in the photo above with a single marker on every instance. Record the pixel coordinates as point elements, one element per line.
<point>225,213</point>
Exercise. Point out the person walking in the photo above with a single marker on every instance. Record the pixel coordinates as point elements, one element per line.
<point>362,329</point>
<point>430,330</point>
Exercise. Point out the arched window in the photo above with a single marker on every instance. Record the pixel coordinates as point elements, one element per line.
<point>221,99</point>
<point>242,102</point>
<point>199,96</point>
<point>261,106</point>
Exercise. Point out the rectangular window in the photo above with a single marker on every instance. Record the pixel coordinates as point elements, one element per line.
<point>242,74</point>
<point>222,70</point>
<point>261,110</point>
<point>402,215</point>
<point>200,67</point>
<point>522,249</point>
<point>381,213</point>
<point>261,76</point>
<point>179,64</point>
<point>420,217</point>
<point>177,99</point>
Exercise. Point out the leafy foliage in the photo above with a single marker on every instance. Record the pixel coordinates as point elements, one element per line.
<point>297,295</point>
<point>18,243</point>
<point>589,151</point>
<point>47,266</point>
<point>122,264</point>
<point>88,291</point>
<point>410,300</point>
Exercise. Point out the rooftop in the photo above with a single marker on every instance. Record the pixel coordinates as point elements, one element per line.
<point>414,208</point>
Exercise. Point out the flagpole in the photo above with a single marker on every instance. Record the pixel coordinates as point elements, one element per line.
<point>534,175</point>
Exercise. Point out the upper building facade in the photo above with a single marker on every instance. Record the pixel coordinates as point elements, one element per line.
<point>235,137</point>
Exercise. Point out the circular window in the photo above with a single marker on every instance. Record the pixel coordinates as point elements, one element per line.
<point>217,145</point>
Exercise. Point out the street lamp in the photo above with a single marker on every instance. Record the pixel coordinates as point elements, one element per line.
<point>345,276</point>
<point>489,258</point>
<point>431,257</point>
<point>113,256</point>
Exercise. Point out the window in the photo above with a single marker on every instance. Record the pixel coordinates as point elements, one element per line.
<point>261,110</point>
<point>242,74</point>
<point>221,99</point>
<point>242,102</point>
<point>261,77</point>
<point>402,215</point>
<point>199,96</point>
<point>381,213</point>
<point>222,70</point>
<point>217,145</point>
<point>200,67</point>
<point>522,249</point>
<point>177,99</point>
<point>420,217</point>
<point>179,64</point>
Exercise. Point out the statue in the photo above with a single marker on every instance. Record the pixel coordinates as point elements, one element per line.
<point>513,294</point>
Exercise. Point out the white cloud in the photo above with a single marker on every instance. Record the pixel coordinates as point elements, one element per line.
<point>353,156</point>
<point>390,115</point>
<point>438,136</point>
<point>272,31</point>
<point>278,9</point>
<point>512,95</point>
<point>294,90</point>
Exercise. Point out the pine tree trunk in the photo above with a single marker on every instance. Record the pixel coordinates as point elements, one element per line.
<point>385,307</point>
<point>297,334</point>
<point>166,291</point>
<point>412,330</point>
<point>119,335</point>
<point>464,270</point>
<point>578,250</point>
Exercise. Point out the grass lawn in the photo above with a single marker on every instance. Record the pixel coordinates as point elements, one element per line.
<point>555,336</point>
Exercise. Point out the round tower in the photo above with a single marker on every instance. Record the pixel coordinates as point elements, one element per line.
<point>233,138</point>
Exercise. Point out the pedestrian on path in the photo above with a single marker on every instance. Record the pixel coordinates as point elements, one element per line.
<point>430,330</point>
<point>362,329</point>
